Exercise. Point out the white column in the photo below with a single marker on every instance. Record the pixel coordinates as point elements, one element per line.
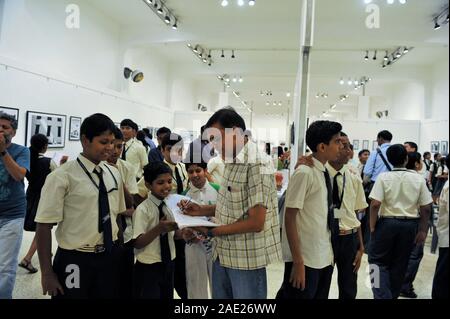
<point>363,107</point>
<point>224,100</point>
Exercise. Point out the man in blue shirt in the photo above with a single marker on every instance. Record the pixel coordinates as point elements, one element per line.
<point>14,163</point>
<point>375,164</point>
<point>155,154</point>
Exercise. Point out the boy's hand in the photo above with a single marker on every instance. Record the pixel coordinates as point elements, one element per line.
<point>297,278</point>
<point>167,226</point>
<point>63,160</point>
<point>189,208</point>
<point>305,160</point>
<point>357,261</point>
<point>51,285</point>
<point>189,235</point>
<point>420,238</point>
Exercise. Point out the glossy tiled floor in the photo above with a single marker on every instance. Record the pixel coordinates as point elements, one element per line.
<point>28,286</point>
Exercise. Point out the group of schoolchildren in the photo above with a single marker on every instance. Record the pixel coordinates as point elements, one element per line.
<point>117,237</point>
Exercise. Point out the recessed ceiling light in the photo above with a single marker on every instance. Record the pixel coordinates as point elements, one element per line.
<point>341,82</point>
<point>241,79</point>
<point>251,3</point>
<point>402,1</point>
<point>390,1</point>
<point>224,3</point>
<point>288,94</point>
<point>240,3</point>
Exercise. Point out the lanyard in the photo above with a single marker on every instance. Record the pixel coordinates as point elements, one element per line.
<point>343,190</point>
<point>92,180</point>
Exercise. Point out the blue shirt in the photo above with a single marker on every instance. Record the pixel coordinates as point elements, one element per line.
<point>13,202</point>
<point>375,165</point>
<point>150,143</point>
<point>155,155</point>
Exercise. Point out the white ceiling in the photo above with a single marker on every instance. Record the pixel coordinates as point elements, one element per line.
<point>266,39</point>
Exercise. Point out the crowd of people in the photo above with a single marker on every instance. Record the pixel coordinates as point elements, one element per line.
<point>118,238</point>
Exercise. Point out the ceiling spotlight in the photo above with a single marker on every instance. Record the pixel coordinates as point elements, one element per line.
<point>167,19</point>
<point>317,95</point>
<point>240,3</point>
<point>367,1</point>
<point>234,79</point>
<point>280,104</point>
<point>160,10</point>
<point>333,106</point>
<point>437,26</point>
<point>398,55</point>
<point>384,65</point>
<point>274,103</point>
<point>241,79</point>
<point>175,25</point>
<point>233,56</point>
<point>386,57</point>
<point>405,50</point>
<point>288,94</point>
<point>341,82</point>
<point>356,82</point>
<point>367,56</point>
<point>251,3</point>
<point>223,54</point>
<point>356,87</point>
<point>209,54</point>
<point>224,3</point>
<point>195,49</point>
<point>402,1</point>
<point>136,75</point>
<point>350,82</point>
<point>390,1</point>
<point>267,103</point>
<point>375,56</point>
<point>325,95</point>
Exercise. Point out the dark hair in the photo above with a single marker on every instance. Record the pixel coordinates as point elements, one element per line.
<point>96,125</point>
<point>286,149</point>
<point>280,151</point>
<point>361,152</point>
<point>397,155</point>
<point>426,154</point>
<point>227,118</point>
<point>385,135</point>
<point>343,134</point>
<point>140,136</point>
<point>163,130</point>
<point>154,169</point>
<point>351,147</point>
<point>10,118</point>
<point>147,132</point>
<point>37,143</point>
<point>412,145</point>
<point>435,156</point>
<point>201,164</point>
<point>321,132</point>
<point>170,140</point>
<point>413,159</point>
<point>130,123</point>
<point>118,134</point>
<point>444,161</point>
<point>447,161</point>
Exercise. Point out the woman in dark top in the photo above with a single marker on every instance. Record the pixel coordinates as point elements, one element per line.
<point>40,167</point>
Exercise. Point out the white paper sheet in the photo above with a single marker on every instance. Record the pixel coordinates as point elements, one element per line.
<point>182,220</point>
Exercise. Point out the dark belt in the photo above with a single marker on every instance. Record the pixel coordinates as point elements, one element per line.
<point>97,249</point>
<point>400,217</point>
<point>348,232</point>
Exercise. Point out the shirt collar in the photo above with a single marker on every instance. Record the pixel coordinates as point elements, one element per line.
<point>172,166</point>
<point>334,172</point>
<point>318,164</point>
<point>155,200</point>
<point>385,145</point>
<point>130,141</point>
<point>90,166</point>
<point>196,190</point>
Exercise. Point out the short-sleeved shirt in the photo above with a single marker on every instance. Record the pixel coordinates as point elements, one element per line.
<point>307,192</point>
<point>401,193</point>
<point>70,198</point>
<point>442,226</point>
<point>354,198</point>
<point>183,174</point>
<point>12,193</point>
<point>145,218</point>
<point>248,182</point>
<point>207,195</point>
<point>136,154</point>
<point>375,164</point>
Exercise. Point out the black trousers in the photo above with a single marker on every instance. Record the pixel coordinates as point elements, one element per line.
<point>180,269</point>
<point>390,247</point>
<point>153,281</point>
<point>86,275</point>
<point>318,282</point>
<point>347,248</point>
<point>440,280</point>
<point>126,270</point>
<point>413,268</point>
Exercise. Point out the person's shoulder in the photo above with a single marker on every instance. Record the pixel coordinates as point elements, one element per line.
<point>17,148</point>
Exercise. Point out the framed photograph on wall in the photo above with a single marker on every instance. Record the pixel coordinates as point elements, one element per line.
<point>435,147</point>
<point>74,128</point>
<point>356,145</point>
<point>374,145</point>
<point>10,111</point>
<point>365,145</point>
<point>444,147</point>
<point>51,125</point>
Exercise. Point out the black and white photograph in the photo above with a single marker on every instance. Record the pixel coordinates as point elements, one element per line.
<point>435,147</point>
<point>356,145</point>
<point>10,111</point>
<point>365,145</point>
<point>74,128</point>
<point>51,125</point>
<point>444,147</point>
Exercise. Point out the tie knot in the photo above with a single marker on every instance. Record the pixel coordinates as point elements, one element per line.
<point>98,171</point>
<point>338,174</point>
<point>161,205</point>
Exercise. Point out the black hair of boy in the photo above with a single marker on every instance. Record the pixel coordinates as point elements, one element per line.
<point>127,122</point>
<point>397,155</point>
<point>385,135</point>
<point>201,164</point>
<point>413,145</point>
<point>96,125</point>
<point>163,131</point>
<point>170,140</point>
<point>118,134</point>
<point>227,118</point>
<point>155,169</point>
<point>321,132</point>
<point>435,156</point>
<point>413,159</point>
<point>362,152</point>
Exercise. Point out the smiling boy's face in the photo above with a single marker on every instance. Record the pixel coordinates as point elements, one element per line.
<point>197,176</point>
<point>161,186</point>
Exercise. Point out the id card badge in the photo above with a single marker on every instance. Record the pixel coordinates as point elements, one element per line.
<point>338,213</point>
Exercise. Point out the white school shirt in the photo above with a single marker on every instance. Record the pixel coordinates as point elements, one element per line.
<point>136,155</point>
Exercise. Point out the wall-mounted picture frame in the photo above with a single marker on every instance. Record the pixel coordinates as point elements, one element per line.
<point>435,147</point>
<point>51,125</point>
<point>444,147</point>
<point>374,145</point>
<point>365,145</point>
<point>74,128</point>
<point>356,145</point>
<point>10,111</point>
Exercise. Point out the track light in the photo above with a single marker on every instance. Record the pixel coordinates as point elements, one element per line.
<point>390,1</point>
<point>356,82</point>
<point>209,54</point>
<point>223,54</point>
<point>350,82</point>
<point>241,79</point>
<point>175,25</point>
<point>341,82</point>
<point>233,56</point>
<point>437,26</point>
<point>167,19</point>
<point>288,94</point>
<point>195,49</point>
<point>405,50</point>
<point>251,3</point>
<point>398,55</point>
<point>240,3</point>
<point>235,80</point>
<point>136,75</point>
<point>375,55</point>
<point>224,3</point>
<point>386,57</point>
<point>367,56</point>
<point>163,12</point>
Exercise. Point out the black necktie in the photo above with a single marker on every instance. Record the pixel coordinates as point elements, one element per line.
<point>336,199</point>
<point>164,240</point>
<point>179,181</point>
<point>104,219</point>
<point>330,218</point>
<point>124,153</point>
